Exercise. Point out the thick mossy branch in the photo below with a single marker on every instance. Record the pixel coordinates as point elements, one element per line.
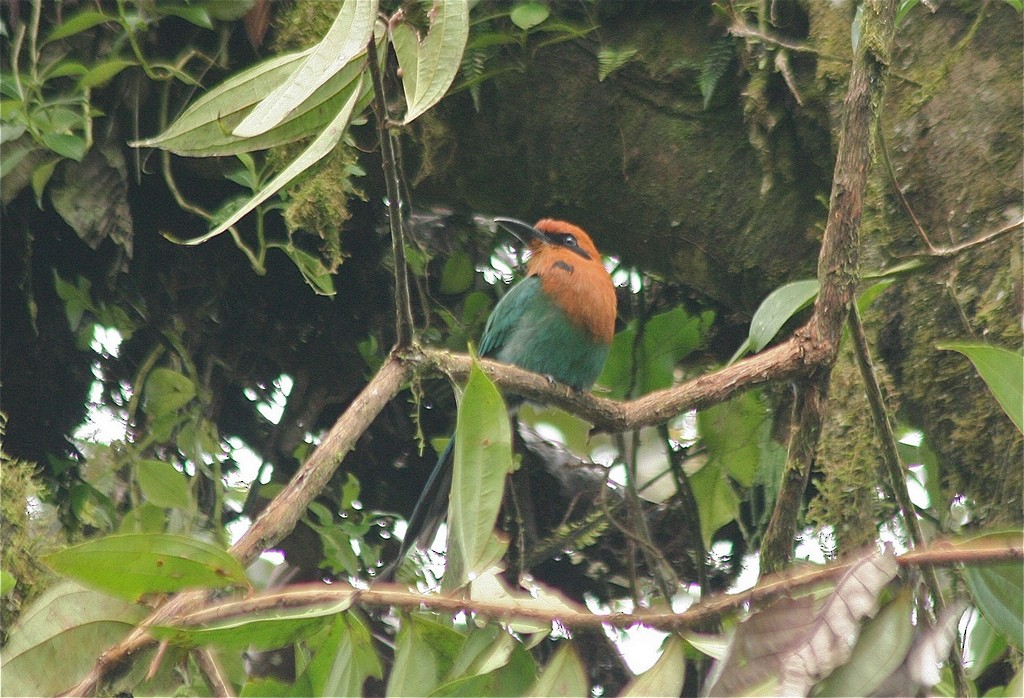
<point>837,265</point>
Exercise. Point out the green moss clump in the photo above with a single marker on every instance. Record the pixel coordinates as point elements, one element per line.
<point>849,456</point>
<point>20,538</point>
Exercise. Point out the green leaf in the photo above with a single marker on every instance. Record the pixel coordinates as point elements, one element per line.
<point>79,22</point>
<point>611,59</point>
<point>717,503</point>
<point>7,582</point>
<point>424,652</point>
<point>881,648</point>
<point>313,271</point>
<point>166,392</point>
<point>131,566</point>
<point>774,311</point>
<point>294,620</point>
<point>41,176</point>
<point>527,15</point>
<point>564,675</point>
<point>1003,372</point>
<point>483,457</point>
<point>145,518</point>
<point>666,677</point>
<point>429,66</point>
<point>53,643</point>
<point>317,150</point>
<point>343,659</point>
<point>66,144</point>
<point>458,273</point>
<point>998,591</point>
<point>732,433</point>
<point>345,40</point>
<point>163,485</point>
<point>513,678</point>
<point>716,61</point>
<point>103,71</point>
<point>194,15</point>
<point>205,128</point>
<point>667,339</point>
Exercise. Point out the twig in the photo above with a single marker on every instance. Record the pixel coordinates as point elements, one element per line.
<point>898,480</point>
<point>883,149</point>
<point>219,684</point>
<point>713,608</point>
<point>403,302</point>
<point>808,417</point>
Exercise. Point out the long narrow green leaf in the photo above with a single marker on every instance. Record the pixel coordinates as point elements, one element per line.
<point>428,67</point>
<point>205,128</point>
<point>483,457</point>
<point>1003,372</point>
<point>316,151</point>
<point>345,40</point>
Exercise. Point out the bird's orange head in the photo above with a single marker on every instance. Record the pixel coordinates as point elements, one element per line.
<point>571,273</point>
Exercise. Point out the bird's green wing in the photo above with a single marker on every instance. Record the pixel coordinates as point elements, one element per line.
<point>508,312</point>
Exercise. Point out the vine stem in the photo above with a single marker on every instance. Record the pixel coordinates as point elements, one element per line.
<point>403,303</point>
<point>898,481</point>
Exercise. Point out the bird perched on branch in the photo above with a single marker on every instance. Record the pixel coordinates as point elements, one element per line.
<point>558,322</point>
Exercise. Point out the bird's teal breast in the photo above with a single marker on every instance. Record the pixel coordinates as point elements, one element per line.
<point>545,341</point>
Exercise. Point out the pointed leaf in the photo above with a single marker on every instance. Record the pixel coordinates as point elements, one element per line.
<point>666,677</point>
<point>883,645</point>
<point>1003,372</point>
<point>795,641</point>
<point>563,676</point>
<point>483,457</point>
<point>166,391</point>
<point>717,503</point>
<point>131,566</point>
<point>345,40</point>
<point>775,310</point>
<point>527,15</point>
<point>429,66</point>
<point>79,22</point>
<point>513,678</point>
<point>317,150</point>
<point>205,128</point>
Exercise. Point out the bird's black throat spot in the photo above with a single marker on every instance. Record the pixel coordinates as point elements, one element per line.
<point>564,265</point>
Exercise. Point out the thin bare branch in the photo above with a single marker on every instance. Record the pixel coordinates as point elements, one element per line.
<point>396,218</point>
<point>716,606</point>
<point>897,475</point>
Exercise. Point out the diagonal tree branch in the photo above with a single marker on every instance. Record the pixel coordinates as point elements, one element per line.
<point>274,522</point>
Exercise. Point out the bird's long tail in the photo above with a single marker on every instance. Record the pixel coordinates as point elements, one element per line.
<point>430,510</point>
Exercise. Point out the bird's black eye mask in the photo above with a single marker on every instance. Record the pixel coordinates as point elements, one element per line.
<point>568,242</point>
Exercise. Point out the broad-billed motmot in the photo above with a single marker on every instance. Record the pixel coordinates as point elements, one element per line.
<point>558,322</point>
